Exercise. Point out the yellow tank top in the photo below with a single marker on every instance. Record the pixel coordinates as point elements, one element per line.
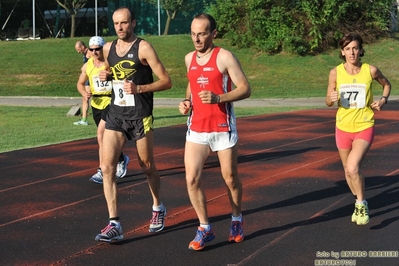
<point>101,90</point>
<point>355,97</point>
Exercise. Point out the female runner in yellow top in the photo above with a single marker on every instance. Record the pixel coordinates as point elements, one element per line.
<point>350,84</point>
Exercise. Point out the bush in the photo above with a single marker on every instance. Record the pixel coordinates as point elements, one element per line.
<point>299,26</point>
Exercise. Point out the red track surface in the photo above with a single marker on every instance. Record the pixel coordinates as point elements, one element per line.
<point>297,206</point>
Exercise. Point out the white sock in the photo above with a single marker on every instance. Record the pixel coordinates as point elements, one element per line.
<point>158,208</point>
<point>206,226</point>
<point>361,202</point>
<point>238,218</point>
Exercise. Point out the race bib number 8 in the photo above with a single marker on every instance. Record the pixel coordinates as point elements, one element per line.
<point>121,98</point>
<point>101,86</point>
<point>352,95</point>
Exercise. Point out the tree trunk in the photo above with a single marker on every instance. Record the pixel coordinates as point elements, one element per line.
<point>167,25</point>
<point>168,20</point>
<point>73,25</point>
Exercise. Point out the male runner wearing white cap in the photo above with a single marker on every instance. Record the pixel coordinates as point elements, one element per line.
<point>100,92</point>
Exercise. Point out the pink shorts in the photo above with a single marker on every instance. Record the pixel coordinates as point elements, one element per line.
<point>344,139</point>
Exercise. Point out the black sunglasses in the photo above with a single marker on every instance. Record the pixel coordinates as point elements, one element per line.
<point>95,49</point>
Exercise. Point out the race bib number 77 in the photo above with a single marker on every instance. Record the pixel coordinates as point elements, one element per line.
<point>352,95</point>
<point>121,97</point>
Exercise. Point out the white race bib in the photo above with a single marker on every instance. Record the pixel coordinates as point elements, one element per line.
<point>121,98</point>
<point>352,95</point>
<point>101,86</point>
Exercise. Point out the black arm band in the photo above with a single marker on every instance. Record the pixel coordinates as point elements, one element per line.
<point>386,99</point>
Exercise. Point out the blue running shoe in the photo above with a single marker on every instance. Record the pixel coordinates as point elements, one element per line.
<point>121,168</point>
<point>97,177</point>
<point>201,238</point>
<point>236,231</point>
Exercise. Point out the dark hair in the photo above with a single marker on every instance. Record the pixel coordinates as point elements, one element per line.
<point>128,9</point>
<point>212,21</point>
<point>80,44</point>
<point>348,38</point>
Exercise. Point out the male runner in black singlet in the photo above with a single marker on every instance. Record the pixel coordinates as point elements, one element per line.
<point>131,63</point>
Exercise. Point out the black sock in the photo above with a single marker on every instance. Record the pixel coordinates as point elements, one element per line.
<point>121,158</point>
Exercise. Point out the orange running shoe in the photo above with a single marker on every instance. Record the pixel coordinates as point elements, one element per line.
<point>236,231</point>
<point>201,238</point>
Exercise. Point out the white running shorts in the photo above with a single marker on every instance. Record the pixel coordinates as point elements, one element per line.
<point>217,141</point>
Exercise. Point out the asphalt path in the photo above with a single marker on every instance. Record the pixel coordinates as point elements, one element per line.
<point>158,102</point>
<point>167,102</point>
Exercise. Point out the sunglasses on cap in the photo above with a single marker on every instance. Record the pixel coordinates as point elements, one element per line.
<point>95,49</point>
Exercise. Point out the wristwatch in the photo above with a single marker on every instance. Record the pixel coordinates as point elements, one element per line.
<point>386,99</point>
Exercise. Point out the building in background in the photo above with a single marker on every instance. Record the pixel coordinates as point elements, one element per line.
<point>52,21</point>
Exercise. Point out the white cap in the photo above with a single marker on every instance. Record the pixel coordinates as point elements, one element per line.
<point>96,40</point>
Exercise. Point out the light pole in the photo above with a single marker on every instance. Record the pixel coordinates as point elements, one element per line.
<point>159,19</point>
<point>95,12</point>
<point>33,20</point>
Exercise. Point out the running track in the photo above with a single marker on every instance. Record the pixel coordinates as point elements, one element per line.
<point>297,207</point>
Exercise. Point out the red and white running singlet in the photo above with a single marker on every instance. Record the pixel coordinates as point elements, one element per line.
<point>209,117</point>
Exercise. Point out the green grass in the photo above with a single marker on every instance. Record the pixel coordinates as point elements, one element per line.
<point>50,67</point>
<point>27,127</point>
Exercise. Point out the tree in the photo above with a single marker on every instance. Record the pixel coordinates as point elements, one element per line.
<point>299,26</point>
<point>72,7</point>
<point>172,7</point>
